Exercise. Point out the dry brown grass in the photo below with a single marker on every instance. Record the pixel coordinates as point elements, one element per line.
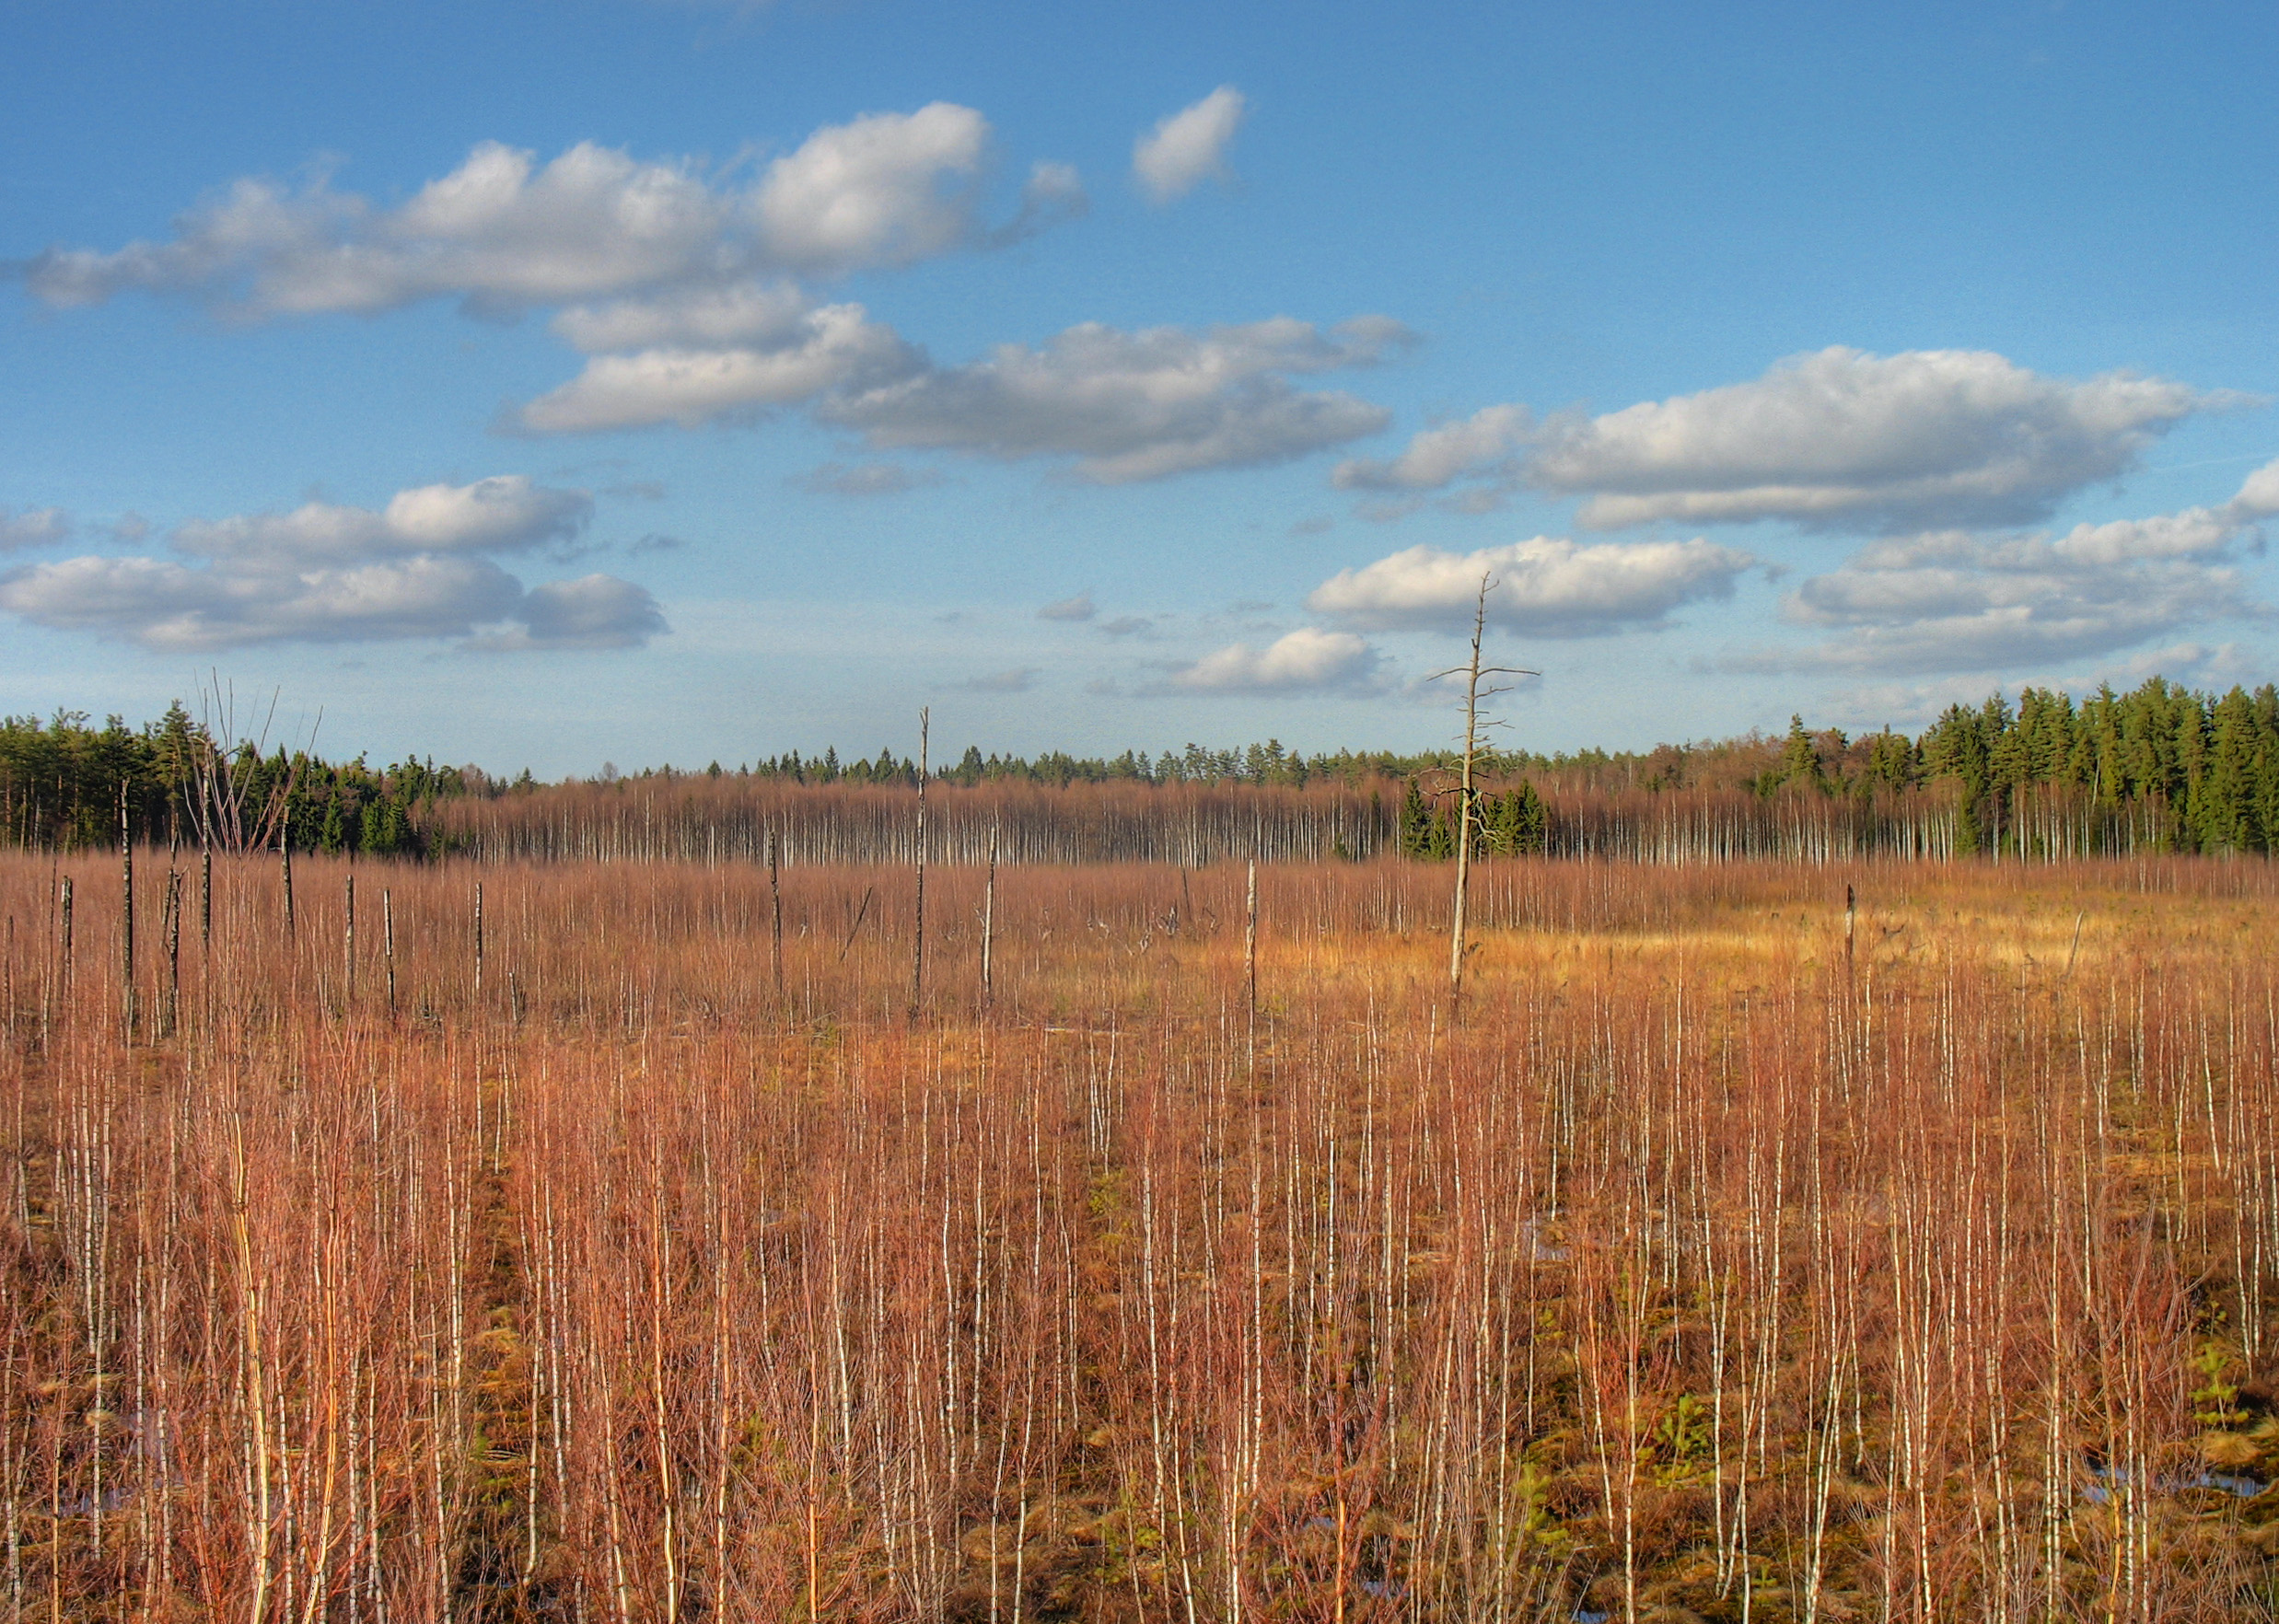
<point>1689,1273</point>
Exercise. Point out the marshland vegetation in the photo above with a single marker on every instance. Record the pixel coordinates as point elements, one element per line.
<point>508,1241</point>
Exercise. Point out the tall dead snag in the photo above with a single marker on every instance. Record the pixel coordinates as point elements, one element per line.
<point>285,865</point>
<point>917,935</point>
<point>776,918</point>
<point>989,918</point>
<point>171,929</point>
<point>1473,671</point>
<point>1851,915</point>
<point>1250,948</point>
<point>222,782</point>
<point>127,917</point>
<point>348,943</point>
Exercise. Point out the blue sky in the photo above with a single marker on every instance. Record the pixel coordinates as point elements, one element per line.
<point>551,383</point>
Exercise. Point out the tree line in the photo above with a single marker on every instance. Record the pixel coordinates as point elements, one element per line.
<point>2159,768</point>
<point>63,784</point>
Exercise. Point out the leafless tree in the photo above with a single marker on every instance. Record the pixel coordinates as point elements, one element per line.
<point>1474,673</point>
<point>917,934</point>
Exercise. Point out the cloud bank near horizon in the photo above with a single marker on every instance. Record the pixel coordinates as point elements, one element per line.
<point>423,566</point>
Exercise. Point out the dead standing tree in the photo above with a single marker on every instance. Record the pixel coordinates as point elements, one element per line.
<point>127,917</point>
<point>917,935</point>
<point>775,917</point>
<point>223,782</point>
<point>989,920</point>
<point>1467,812</point>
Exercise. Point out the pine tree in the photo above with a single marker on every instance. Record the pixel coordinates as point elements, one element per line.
<point>1956,748</point>
<point>1800,758</point>
<point>2223,802</point>
<point>1415,822</point>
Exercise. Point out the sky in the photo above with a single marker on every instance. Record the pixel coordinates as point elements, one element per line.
<point>542,383</point>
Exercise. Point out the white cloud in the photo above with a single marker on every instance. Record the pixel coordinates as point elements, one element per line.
<point>1956,600</point>
<point>1306,658</point>
<point>503,514</point>
<point>748,312</point>
<point>331,574</point>
<point>503,232</point>
<point>1549,586</point>
<point>1131,406</point>
<point>171,607</point>
<point>885,189</point>
<point>2259,497</point>
<point>1123,406</point>
<point>500,232</point>
<point>593,611</point>
<point>1189,146</point>
<point>832,347</point>
<point>1080,608</point>
<point>1483,444</point>
<point>33,527</point>
<point>1841,439</point>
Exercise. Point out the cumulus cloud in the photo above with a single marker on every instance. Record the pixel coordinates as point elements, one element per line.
<point>1080,608</point>
<point>593,611</point>
<point>325,573</point>
<point>172,607</point>
<point>1121,406</point>
<point>1550,586</point>
<point>1842,439</point>
<point>1189,146</point>
<point>760,312</point>
<point>2259,497</point>
<point>1306,658</point>
<point>831,347</point>
<point>1957,600</point>
<point>1483,444</point>
<point>503,514</point>
<point>676,283</point>
<point>33,527</point>
<point>1132,406</point>
<point>885,189</point>
<point>500,232</point>
<point>503,232</point>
